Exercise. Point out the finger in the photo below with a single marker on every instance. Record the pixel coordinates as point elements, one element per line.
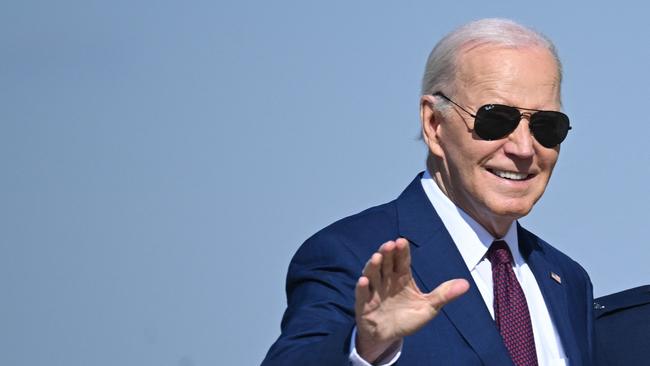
<point>372,271</point>
<point>402,256</point>
<point>387,250</point>
<point>447,292</point>
<point>362,291</point>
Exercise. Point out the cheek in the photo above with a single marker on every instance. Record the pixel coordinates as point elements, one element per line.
<point>462,168</point>
<point>548,160</point>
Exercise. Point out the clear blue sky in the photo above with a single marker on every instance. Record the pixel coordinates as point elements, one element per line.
<point>161,161</point>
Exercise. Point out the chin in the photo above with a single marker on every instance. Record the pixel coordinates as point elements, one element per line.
<point>512,208</point>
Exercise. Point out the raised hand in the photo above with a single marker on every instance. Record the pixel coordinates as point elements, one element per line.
<point>389,305</point>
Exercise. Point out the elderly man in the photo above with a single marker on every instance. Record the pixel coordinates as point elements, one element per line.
<point>370,288</point>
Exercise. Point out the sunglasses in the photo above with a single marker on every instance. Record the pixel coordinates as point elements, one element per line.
<point>496,121</point>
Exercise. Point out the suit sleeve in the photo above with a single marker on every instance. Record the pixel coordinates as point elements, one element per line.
<point>318,321</point>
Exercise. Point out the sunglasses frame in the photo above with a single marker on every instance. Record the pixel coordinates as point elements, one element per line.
<point>530,116</point>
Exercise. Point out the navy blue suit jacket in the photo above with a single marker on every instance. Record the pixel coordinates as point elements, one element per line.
<point>623,328</point>
<point>319,318</point>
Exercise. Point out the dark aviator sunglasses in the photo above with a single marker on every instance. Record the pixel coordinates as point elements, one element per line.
<point>496,121</point>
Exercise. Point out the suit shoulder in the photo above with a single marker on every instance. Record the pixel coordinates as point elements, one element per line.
<point>567,263</point>
<point>360,233</point>
<point>370,220</point>
<point>629,298</point>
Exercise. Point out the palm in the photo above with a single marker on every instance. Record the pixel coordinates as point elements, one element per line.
<point>389,305</point>
<point>397,309</point>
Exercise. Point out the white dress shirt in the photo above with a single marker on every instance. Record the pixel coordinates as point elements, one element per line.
<point>473,241</point>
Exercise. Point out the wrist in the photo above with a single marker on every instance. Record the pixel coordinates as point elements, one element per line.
<point>372,350</point>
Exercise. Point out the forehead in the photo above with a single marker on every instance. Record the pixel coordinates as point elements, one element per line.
<point>523,76</point>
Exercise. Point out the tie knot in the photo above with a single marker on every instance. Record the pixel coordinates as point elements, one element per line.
<point>499,253</point>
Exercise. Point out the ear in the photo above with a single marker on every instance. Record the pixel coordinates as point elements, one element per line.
<point>431,120</point>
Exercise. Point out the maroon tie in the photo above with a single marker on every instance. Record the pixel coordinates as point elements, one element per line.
<point>510,308</point>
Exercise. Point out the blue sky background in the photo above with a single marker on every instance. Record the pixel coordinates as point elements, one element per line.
<point>161,161</point>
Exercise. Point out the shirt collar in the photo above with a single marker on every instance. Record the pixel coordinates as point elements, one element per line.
<point>471,239</point>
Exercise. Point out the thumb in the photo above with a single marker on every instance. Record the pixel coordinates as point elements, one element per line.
<point>447,292</point>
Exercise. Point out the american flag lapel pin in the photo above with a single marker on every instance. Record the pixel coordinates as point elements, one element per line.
<point>556,277</point>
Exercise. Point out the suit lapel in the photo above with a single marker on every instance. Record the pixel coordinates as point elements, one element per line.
<point>553,291</point>
<point>436,259</point>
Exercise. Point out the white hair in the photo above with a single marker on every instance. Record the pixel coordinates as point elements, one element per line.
<point>441,65</point>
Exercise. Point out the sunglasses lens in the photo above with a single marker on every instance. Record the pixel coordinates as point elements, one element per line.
<point>549,128</point>
<point>494,121</point>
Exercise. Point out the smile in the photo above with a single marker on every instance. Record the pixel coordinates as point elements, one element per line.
<point>510,175</point>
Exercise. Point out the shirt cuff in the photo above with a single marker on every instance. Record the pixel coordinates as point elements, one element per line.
<point>387,359</point>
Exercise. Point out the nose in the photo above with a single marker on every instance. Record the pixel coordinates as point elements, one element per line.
<point>520,141</point>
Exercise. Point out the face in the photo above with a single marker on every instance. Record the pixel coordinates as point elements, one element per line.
<point>497,181</point>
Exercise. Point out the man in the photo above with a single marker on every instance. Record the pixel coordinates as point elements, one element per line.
<point>623,327</point>
<point>490,118</point>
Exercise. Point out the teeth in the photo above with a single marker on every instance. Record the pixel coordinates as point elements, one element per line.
<point>510,175</point>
